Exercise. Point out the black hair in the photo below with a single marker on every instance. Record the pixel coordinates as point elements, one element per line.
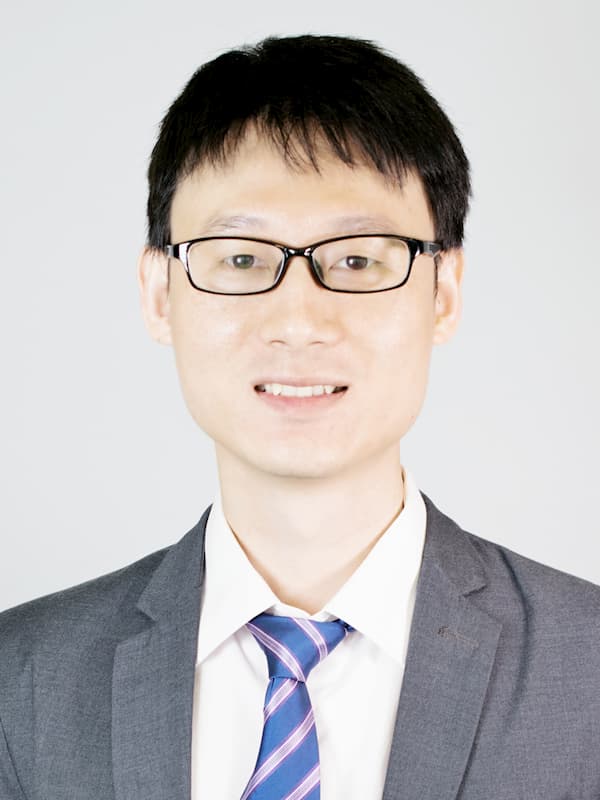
<point>303,90</point>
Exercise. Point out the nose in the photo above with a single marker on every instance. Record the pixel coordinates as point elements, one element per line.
<point>299,311</point>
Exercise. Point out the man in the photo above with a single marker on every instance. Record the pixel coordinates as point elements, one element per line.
<point>324,630</point>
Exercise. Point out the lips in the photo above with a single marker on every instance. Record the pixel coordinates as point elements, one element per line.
<point>294,401</point>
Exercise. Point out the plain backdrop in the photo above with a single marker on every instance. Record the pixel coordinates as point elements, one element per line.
<point>101,463</point>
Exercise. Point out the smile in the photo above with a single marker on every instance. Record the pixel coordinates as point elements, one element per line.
<point>298,391</point>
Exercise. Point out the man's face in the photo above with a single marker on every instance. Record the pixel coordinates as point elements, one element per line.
<point>378,345</point>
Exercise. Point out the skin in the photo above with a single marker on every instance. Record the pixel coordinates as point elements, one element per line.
<point>307,495</point>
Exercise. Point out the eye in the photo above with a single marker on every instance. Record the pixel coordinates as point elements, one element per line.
<point>356,263</point>
<point>241,261</point>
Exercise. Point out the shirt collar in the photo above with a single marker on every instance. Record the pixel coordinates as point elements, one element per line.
<point>377,599</point>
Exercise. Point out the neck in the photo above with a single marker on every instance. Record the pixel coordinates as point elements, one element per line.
<point>306,536</point>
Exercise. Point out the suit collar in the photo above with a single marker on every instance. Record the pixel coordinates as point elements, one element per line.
<point>450,657</point>
<point>453,552</point>
<point>177,580</point>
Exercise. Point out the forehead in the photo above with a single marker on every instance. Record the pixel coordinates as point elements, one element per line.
<point>258,191</point>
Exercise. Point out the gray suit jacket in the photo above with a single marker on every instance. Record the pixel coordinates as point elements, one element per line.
<point>500,699</point>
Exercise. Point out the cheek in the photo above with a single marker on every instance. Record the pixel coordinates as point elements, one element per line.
<point>201,322</point>
<point>403,358</point>
<point>405,330</point>
<point>204,334</point>
<point>401,354</point>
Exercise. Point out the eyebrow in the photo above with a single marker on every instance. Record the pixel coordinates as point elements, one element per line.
<point>357,223</point>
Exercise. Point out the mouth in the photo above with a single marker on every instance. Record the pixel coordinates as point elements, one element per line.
<point>278,390</point>
<point>300,400</point>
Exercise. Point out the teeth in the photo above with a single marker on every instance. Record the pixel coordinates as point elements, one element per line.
<point>297,391</point>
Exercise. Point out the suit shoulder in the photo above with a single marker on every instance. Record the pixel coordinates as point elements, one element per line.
<point>508,585</point>
<point>87,604</point>
<point>560,595</point>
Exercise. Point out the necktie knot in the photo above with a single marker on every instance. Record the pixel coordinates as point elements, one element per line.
<point>293,645</point>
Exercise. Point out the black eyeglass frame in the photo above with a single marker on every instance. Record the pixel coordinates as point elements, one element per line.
<point>416,248</point>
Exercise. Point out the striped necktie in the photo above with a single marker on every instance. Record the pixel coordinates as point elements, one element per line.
<point>287,767</point>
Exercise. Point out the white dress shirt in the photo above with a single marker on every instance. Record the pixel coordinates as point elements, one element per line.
<point>354,691</point>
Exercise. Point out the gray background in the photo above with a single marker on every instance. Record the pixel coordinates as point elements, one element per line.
<point>101,463</point>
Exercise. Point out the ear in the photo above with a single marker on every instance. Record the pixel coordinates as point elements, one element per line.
<point>153,280</point>
<point>448,301</point>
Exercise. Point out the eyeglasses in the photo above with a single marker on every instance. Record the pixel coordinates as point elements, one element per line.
<point>355,264</point>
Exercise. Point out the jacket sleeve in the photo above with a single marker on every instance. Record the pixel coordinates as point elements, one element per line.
<point>10,786</point>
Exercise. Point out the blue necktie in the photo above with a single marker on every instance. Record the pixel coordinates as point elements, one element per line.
<point>287,767</point>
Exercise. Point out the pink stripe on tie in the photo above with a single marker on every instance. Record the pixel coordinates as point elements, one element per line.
<point>313,632</point>
<point>293,741</point>
<point>279,697</point>
<point>282,653</point>
<point>306,785</point>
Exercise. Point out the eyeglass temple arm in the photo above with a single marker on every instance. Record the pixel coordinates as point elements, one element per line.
<point>432,248</point>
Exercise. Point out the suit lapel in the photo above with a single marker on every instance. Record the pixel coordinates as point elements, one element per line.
<point>153,680</point>
<point>451,652</point>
